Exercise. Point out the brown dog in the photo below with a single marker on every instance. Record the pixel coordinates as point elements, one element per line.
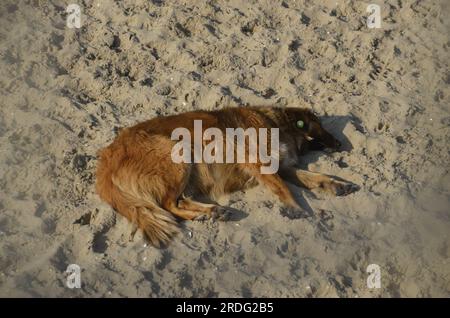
<point>138,178</point>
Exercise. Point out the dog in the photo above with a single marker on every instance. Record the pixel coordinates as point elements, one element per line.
<point>136,176</point>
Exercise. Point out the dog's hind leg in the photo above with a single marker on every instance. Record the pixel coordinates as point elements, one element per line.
<point>169,202</point>
<point>188,203</point>
<point>213,211</point>
<point>188,209</point>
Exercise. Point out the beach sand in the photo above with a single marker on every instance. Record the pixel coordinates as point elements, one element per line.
<point>384,92</point>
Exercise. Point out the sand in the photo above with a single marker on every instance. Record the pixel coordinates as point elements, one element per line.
<point>384,92</point>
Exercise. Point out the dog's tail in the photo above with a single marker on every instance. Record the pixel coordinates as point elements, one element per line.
<point>158,225</point>
<point>125,195</point>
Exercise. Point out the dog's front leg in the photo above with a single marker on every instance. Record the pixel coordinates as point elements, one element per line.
<point>276,184</point>
<point>313,180</point>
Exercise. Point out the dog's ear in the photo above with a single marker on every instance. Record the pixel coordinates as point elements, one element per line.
<point>314,115</point>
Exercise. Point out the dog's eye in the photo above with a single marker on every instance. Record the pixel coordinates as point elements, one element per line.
<point>300,124</point>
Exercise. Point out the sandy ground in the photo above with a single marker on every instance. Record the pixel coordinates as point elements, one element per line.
<point>384,92</point>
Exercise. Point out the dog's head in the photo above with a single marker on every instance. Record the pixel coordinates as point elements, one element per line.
<point>304,125</point>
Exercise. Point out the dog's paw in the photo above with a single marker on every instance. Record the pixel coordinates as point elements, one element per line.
<point>221,213</point>
<point>343,188</point>
<point>218,213</point>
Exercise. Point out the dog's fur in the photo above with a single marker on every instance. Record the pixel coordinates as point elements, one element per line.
<point>137,177</point>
